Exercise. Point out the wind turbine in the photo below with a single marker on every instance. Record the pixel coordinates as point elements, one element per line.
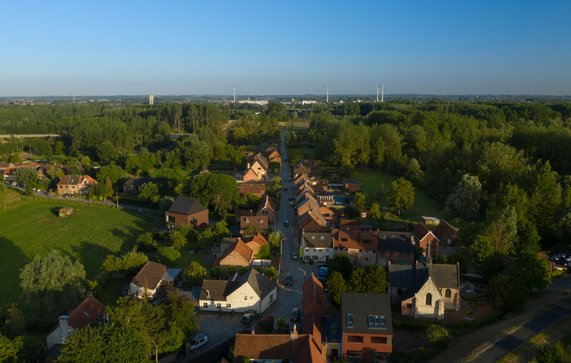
<point>327,93</point>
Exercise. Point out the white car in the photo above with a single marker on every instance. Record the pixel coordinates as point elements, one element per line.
<point>198,341</point>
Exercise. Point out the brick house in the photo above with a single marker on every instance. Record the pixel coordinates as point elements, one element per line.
<point>267,208</point>
<point>367,327</point>
<point>75,184</point>
<point>423,237</point>
<point>257,189</point>
<point>185,211</point>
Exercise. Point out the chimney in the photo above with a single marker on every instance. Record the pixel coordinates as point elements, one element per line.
<point>208,294</point>
<point>89,294</point>
<point>253,331</point>
<point>64,324</point>
<point>235,277</point>
<point>293,334</point>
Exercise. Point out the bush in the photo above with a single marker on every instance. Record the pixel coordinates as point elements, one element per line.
<point>170,253</point>
<point>194,274</point>
<point>437,334</point>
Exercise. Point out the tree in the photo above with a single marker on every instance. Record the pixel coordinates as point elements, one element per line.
<point>264,252</point>
<point>27,177</point>
<point>178,240</point>
<point>217,191</point>
<point>506,292</point>
<point>532,270</point>
<point>179,311</point>
<point>502,230</point>
<point>464,201</point>
<point>371,279</point>
<point>360,200</point>
<point>499,164</point>
<point>376,210</point>
<point>105,343</point>
<point>194,273</point>
<point>340,263</point>
<point>150,192</point>
<point>53,281</point>
<point>275,242</point>
<point>437,334</point>
<point>12,321</point>
<point>336,286</point>
<point>400,194</point>
<point>146,240</point>
<point>111,171</point>
<point>544,194</point>
<point>10,348</point>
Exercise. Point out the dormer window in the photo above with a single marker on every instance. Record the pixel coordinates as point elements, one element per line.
<point>349,320</point>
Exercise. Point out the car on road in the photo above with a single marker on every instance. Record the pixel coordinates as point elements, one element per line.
<point>322,274</point>
<point>291,204</point>
<point>295,314</point>
<point>198,341</point>
<point>294,255</point>
<point>290,198</point>
<point>285,189</point>
<point>248,318</point>
<point>286,223</point>
<point>289,279</point>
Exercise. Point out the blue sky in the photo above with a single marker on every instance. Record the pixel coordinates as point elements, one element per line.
<point>285,47</point>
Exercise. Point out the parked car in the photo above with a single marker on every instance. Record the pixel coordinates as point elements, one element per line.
<point>248,318</point>
<point>290,198</point>
<point>285,189</point>
<point>286,223</point>
<point>289,279</point>
<point>294,255</point>
<point>295,314</point>
<point>322,274</point>
<point>198,341</point>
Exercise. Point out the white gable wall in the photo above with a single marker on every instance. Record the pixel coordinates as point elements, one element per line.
<point>433,311</point>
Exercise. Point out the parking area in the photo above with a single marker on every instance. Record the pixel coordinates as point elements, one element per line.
<point>219,328</point>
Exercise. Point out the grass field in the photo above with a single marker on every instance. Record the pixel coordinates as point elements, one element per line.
<point>374,180</point>
<point>31,227</point>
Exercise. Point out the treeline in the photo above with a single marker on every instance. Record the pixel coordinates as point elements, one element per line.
<point>468,156</point>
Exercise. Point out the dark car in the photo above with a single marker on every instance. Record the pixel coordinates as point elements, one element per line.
<point>290,198</point>
<point>248,318</point>
<point>289,279</point>
<point>286,223</point>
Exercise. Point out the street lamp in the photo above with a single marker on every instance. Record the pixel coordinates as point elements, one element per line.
<point>156,351</point>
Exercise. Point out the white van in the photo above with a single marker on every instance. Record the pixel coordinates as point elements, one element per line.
<point>198,341</point>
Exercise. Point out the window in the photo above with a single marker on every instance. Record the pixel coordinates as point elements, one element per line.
<point>315,258</point>
<point>170,219</point>
<point>271,298</point>
<point>448,293</point>
<point>355,338</point>
<point>307,250</point>
<point>379,340</point>
<point>429,299</point>
<point>205,305</point>
<point>218,305</point>
<point>349,320</point>
<point>245,297</point>
<point>228,305</point>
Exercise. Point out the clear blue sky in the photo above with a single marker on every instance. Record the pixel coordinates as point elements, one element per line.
<point>283,47</point>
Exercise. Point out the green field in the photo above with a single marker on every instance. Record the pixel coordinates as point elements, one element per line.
<point>374,180</point>
<point>32,227</point>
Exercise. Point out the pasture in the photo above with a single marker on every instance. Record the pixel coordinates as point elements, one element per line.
<point>31,227</point>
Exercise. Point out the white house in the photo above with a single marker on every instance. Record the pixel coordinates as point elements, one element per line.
<point>316,246</point>
<point>150,277</point>
<point>252,291</point>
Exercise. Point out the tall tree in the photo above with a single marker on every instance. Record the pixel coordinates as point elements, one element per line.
<point>217,191</point>
<point>53,281</point>
<point>532,270</point>
<point>464,201</point>
<point>336,286</point>
<point>400,194</point>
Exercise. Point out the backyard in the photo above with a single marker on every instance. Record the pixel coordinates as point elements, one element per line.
<point>31,227</point>
<point>373,181</point>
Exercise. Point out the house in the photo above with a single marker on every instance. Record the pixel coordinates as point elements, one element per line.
<point>257,189</point>
<point>256,168</point>
<point>75,184</point>
<point>185,211</point>
<point>150,277</point>
<point>251,291</point>
<point>242,252</point>
<point>307,167</point>
<point>425,291</point>
<point>395,250</point>
<point>272,154</point>
<point>357,242</point>
<point>423,237</point>
<point>351,185</point>
<point>366,322</point>
<point>257,222</point>
<point>133,186</point>
<point>293,347</point>
<point>316,246</point>
<point>89,311</point>
<point>267,208</point>
<point>446,233</point>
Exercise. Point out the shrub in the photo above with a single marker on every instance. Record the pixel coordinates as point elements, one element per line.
<point>170,253</point>
<point>437,334</point>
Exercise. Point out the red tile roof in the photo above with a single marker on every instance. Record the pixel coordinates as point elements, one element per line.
<point>89,311</point>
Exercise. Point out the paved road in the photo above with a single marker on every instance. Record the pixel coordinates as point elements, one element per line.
<point>493,342</point>
<point>220,328</point>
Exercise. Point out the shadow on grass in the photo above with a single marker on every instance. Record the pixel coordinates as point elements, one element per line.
<point>12,260</point>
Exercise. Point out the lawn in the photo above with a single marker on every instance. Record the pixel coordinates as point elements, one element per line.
<point>32,228</point>
<point>374,180</point>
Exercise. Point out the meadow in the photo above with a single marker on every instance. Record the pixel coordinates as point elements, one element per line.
<point>31,227</point>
